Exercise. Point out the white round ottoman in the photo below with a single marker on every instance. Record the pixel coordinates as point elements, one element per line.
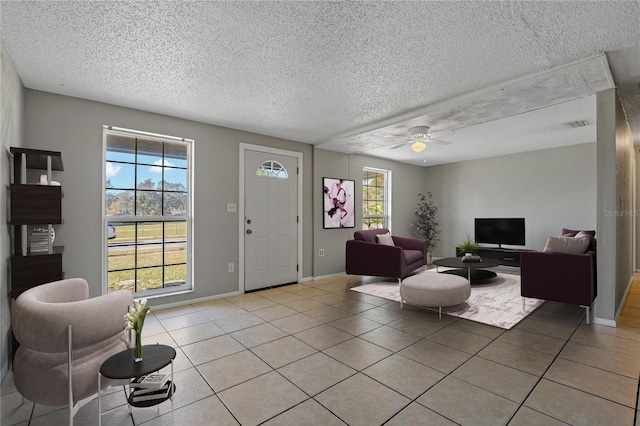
<point>434,290</point>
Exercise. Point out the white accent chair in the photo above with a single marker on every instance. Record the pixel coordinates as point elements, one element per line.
<point>64,338</point>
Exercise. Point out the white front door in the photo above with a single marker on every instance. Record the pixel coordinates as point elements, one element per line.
<point>270,219</point>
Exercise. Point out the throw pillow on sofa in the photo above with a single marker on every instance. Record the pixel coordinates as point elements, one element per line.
<point>385,239</point>
<point>573,232</point>
<point>566,245</point>
<point>591,235</point>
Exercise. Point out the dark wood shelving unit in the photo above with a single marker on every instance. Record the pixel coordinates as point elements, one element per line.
<point>33,204</point>
<point>506,256</point>
<point>37,158</point>
<point>34,269</point>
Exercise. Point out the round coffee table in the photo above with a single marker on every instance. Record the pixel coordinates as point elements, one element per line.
<point>123,366</point>
<point>473,271</point>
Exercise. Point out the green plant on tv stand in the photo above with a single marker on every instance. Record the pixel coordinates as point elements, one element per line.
<point>467,246</point>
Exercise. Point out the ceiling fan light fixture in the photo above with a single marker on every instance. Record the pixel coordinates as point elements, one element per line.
<point>418,146</point>
<point>419,132</point>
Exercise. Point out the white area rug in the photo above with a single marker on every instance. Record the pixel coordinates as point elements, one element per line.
<point>496,303</point>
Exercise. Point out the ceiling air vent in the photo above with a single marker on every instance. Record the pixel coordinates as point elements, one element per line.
<point>580,123</point>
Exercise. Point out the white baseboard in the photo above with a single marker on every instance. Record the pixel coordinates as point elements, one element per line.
<point>233,293</point>
<point>598,320</point>
<point>221,296</point>
<point>321,277</point>
<point>200,299</point>
<point>603,321</point>
<point>624,299</point>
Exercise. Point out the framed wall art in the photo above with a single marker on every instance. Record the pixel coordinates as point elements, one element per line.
<point>338,203</point>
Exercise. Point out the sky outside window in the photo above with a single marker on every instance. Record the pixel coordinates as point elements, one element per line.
<point>122,175</point>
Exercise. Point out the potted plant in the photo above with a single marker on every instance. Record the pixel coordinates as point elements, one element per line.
<point>467,246</point>
<point>425,226</point>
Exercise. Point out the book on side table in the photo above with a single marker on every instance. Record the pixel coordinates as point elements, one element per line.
<point>153,381</point>
<point>143,394</point>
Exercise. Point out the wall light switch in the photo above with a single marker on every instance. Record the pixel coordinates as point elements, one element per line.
<point>231,207</point>
<point>231,267</point>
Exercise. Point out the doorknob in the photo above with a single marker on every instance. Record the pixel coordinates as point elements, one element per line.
<point>249,231</point>
<point>249,221</point>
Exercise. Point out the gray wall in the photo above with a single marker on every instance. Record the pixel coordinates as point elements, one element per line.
<point>614,205</point>
<point>11,130</point>
<point>625,167</point>
<point>335,165</point>
<point>407,182</point>
<point>637,210</point>
<point>551,189</point>
<point>74,127</point>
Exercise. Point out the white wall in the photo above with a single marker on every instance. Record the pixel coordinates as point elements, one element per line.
<point>74,127</point>
<point>11,129</point>
<point>552,189</point>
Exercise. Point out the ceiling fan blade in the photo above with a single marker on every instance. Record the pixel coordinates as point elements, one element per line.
<point>439,142</point>
<point>400,145</point>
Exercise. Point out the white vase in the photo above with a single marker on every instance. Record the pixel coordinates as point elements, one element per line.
<point>429,258</point>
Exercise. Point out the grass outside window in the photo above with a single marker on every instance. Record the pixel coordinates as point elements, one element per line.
<point>124,256</point>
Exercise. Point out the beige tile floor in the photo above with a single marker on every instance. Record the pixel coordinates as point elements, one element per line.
<point>319,354</point>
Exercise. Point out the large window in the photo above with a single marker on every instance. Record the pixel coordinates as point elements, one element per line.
<point>147,214</point>
<point>376,199</point>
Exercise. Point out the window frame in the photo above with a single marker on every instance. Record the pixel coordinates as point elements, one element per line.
<point>262,170</point>
<point>188,218</point>
<point>386,216</point>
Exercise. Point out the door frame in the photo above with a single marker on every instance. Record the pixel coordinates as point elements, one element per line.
<point>241,213</point>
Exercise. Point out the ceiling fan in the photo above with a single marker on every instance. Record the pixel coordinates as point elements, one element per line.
<point>419,139</point>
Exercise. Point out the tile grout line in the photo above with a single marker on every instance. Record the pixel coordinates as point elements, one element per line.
<point>411,400</point>
<point>346,378</point>
<point>476,354</point>
<point>393,353</point>
<point>542,376</point>
<point>350,314</point>
<point>195,367</point>
<point>361,371</point>
<point>276,370</point>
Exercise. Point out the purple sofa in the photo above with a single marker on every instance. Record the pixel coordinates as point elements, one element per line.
<point>366,257</point>
<point>564,278</point>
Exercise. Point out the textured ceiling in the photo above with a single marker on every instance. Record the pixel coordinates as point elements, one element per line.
<point>311,71</point>
<point>538,129</point>
<point>505,102</point>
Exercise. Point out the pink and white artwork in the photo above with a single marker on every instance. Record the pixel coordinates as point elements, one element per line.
<point>338,203</point>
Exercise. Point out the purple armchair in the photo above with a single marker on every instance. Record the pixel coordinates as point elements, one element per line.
<point>366,257</point>
<point>564,278</point>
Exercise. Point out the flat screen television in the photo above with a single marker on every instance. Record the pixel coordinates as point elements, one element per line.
<point>500,231</point>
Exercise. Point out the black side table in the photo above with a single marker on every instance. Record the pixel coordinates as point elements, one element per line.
<point>122,366</point>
